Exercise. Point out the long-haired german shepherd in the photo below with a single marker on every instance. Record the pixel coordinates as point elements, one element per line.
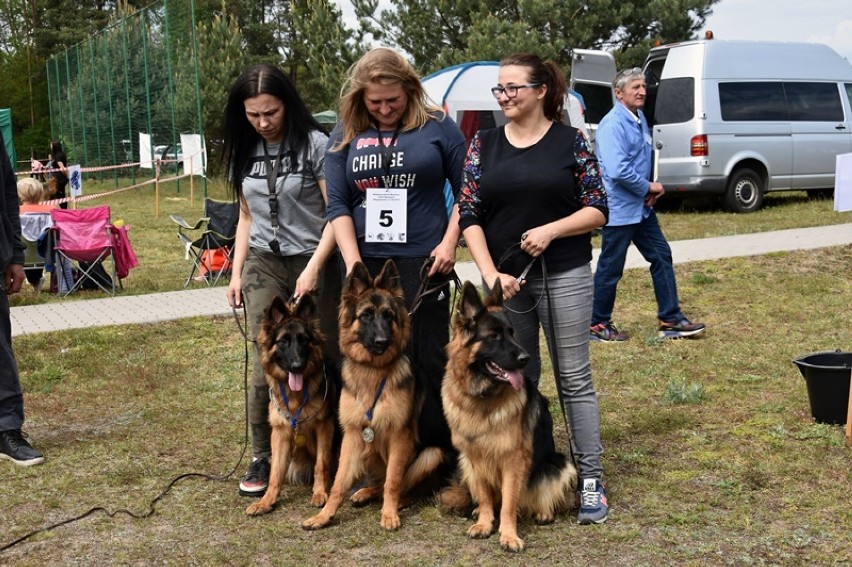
<point>303,400</point>
<point>500,424</point>
<point>379,403</point>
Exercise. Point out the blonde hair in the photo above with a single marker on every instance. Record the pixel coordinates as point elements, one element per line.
<point>30,190</point>
<point>382,66</point>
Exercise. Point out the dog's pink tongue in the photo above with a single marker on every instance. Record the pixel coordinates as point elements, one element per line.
<point>295,381</point>
<point>516,379</point>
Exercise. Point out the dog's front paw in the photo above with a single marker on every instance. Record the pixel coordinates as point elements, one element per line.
<point>511,542</point>
<point>258,508</point>
<point>480,531</point>
<point>319,499</point>
<point>544,519</point>
<point>317,522</point>
<point>390,522</point>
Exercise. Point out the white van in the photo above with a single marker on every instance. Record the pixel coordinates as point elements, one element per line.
<point>740,118</point>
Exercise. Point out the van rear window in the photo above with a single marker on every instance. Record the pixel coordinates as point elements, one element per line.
<point>675,101</point>
<point>752,101</point>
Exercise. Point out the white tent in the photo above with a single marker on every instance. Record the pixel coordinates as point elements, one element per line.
<point>467,87</point>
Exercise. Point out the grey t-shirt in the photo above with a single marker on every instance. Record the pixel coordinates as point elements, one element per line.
<point>301,208</point>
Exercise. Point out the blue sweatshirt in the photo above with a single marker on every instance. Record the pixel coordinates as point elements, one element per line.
<point>421,161</point>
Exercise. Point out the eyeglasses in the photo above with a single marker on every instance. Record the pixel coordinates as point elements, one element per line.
<point>512,90</point>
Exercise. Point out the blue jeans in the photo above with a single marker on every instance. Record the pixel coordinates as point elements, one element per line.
<point>570,295</point>
<point>649,240</point>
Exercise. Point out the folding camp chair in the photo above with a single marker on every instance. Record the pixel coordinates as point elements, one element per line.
<point>84,237</point>
<point>218,230</point>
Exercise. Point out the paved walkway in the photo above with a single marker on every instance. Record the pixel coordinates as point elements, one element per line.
<point>158,307</point>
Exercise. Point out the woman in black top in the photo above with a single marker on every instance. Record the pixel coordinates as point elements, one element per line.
<point>532,194</point>
<point>60,162</point>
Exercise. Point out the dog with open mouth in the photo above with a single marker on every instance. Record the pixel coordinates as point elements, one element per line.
<point>501,426</point>
<point>303,395</point>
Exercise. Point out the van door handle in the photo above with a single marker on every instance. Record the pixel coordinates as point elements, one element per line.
<point>659,145</point>
<point>840,127</point>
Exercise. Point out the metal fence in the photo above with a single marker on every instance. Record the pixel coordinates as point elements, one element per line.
<point>138,76</point>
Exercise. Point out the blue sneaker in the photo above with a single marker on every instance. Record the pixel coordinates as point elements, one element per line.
<point>593,503</point>
<point>679,329</point>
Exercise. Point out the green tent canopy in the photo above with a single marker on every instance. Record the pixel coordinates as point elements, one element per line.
<point>6,127</point>
<point>326,117</point>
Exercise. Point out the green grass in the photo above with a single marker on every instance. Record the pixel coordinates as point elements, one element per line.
<point>739,475</point>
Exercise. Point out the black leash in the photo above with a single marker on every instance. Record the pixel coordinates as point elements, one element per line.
<point>427,287</point>
<point>152,504</point>
<point>554,357</point>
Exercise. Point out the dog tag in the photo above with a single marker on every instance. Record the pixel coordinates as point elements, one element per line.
<point>368,434</point>
<point>301,440</point>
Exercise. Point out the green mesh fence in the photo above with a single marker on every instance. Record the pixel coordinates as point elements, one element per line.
<point>139,75</point>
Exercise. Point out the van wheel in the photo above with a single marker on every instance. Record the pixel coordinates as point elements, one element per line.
<point>745,191</point>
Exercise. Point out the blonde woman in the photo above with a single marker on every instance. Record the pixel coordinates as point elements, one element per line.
<point>389,160</point>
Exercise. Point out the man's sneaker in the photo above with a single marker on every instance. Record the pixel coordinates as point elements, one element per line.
<point>593,504</point>
<point>679,329</point>
<point>256,479</point>
<point>14,447</point>
<point>606,332</point>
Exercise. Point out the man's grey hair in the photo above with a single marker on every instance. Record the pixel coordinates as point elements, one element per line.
<point>626,76</point>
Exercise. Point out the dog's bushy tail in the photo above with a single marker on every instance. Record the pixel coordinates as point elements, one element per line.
<point>553,489</point>
<point>424,466</point>
<point>456,497</point>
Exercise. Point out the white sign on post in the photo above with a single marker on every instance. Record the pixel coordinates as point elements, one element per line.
<point>843,183</point>
<point>75,180</point>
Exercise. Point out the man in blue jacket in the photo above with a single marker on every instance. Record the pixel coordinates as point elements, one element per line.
<point>13,446</point>
<point>625,154</point>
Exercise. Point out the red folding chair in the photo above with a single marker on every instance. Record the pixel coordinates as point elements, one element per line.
<point>84,237</point>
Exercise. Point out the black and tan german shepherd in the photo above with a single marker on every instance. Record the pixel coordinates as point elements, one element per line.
<point>379,403</point>
<point>303,400</point>
<point>500,424</point>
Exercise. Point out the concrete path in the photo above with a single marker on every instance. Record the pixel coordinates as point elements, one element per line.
<point>158,307</point>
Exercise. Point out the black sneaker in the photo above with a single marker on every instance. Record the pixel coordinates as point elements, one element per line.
<point>256,479</point>
<point>679,329</point>
<point>13,447</point>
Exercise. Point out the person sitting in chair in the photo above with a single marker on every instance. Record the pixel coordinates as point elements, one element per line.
<point>35,220</point>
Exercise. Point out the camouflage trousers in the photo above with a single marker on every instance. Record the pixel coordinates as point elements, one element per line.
<point>265,276</point>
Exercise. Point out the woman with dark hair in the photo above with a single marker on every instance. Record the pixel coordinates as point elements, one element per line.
<point>60,162</point>
<point>389,161</point>
<point>532,195</point>
<point>275,155</point>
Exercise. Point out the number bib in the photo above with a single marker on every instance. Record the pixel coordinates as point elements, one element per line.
<point>386,215</point>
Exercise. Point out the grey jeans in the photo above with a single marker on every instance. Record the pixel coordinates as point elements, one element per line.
<point>266,275</point>
<point>570,295</point>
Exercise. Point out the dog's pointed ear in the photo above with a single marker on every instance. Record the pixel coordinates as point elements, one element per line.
<point>358,279</point>
<point>495,296</point>
<point>388,278</point>
<point>470,304</point>
<point>277,310</point>
<point>306,308</point>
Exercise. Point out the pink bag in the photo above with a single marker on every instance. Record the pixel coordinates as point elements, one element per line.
<point>125,257</point>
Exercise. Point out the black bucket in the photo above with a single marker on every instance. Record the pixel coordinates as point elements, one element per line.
<point>827,376</point>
